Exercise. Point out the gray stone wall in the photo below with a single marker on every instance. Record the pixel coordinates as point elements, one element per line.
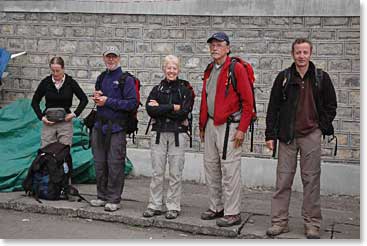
<point>265,41</point>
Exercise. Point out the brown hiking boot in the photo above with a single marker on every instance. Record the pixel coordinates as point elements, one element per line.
<point>229,220</point>
<point>277,229</point>
<point>312,232</point>
<point>211,215</point>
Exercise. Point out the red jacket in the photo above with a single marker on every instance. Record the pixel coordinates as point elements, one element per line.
<point>225,106</point>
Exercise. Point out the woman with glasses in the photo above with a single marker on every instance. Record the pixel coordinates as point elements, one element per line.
<point>169,104</point>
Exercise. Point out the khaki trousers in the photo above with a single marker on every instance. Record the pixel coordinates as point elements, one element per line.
<point>310,152</point>
<point>167,151</point>
<point>223,177</point>
<point>61,132</point>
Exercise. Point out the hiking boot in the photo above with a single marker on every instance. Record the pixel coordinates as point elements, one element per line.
<point>151,212</point>
<point>229,220</point>
<point>111,207</point>
<point>97,203</point>
<point>211,215</point>
<point>277,229</point>
<point>172,214</point>
<point>312,232</point>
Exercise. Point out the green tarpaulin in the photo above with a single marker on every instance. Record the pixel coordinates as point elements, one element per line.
<point>20,132</point>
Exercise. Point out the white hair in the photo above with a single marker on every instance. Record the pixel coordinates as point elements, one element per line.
<point>171,58</point>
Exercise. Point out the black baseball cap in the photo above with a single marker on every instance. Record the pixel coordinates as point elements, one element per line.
<point>220,36</point>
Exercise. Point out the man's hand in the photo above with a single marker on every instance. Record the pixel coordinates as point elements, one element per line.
<point>100,101</point>
<point>97,94</point>
<point>176,107</point>
<point>97,98</point>
<point>270,144</point>
<point>202,135</point>
<point>238,138</point>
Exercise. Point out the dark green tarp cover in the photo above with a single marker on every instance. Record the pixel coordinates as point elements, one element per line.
<point>20,132</point>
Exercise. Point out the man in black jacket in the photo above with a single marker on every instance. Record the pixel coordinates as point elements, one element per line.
<point>302,107</point>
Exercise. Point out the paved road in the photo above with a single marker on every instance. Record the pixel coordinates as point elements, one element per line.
<point>21,225</point>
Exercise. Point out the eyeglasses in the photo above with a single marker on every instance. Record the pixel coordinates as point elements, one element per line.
<point>212,46</point>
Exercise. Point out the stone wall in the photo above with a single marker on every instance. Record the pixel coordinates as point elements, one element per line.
<point>265,41</point>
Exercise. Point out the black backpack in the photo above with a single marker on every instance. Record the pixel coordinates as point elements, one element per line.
<point>131,125</point>
<point>49,174</point>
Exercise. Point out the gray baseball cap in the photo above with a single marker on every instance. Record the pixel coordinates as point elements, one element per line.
<point>111,50</point>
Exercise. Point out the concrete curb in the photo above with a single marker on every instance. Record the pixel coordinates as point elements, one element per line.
<point>341,214</point>
<point>86,212</point>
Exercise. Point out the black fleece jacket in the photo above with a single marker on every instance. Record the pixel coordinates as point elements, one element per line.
<point>62,98</point>
<point>281,113</point>
<point>166,94</point>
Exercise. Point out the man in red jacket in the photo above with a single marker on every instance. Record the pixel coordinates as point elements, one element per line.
<point>224,109</point>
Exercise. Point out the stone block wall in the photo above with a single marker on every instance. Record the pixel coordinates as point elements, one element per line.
<point>265,41</point>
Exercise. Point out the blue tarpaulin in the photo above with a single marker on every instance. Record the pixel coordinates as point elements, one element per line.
<point>4,60</point>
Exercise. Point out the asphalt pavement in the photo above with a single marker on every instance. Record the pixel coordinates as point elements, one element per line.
<point>341,214</point>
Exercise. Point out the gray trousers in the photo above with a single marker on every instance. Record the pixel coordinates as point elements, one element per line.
<point>310,152</point>
<point>175,155</point>
<point>61,132</point>
<point>110,166</point>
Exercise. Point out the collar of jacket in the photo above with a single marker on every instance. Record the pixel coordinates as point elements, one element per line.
<point>309,74</point>
<point>66,78</point>
<point>172,83</point>
<point>226,64</point>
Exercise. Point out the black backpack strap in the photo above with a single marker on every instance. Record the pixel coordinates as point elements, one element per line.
<point>275,147</point>
<point>287,77</point>
<point>189,119</point>
<point>319,77</point>
<point>122,80</point>
<point>148,126</point>
<point>226,136</point>
<point>209,67</point>
<point>158,137</point>
<point>231,77</point>
<point>100,78</point>
<point>74,192</point>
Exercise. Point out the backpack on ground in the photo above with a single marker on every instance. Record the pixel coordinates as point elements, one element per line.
<point>49,174</point>
<point>233,81</point>
<point>131,125</point>
<point>189,117</point>
<point>318,83</point>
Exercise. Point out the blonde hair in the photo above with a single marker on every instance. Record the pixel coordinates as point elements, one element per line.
<point>171,58</point>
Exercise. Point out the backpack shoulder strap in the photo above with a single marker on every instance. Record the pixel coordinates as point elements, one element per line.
<point>232,74</point>
<point>209,67</point>
<point>319,77</point>
<point>123,79</point>
<point>287,76</point>
<point>99,80</point>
